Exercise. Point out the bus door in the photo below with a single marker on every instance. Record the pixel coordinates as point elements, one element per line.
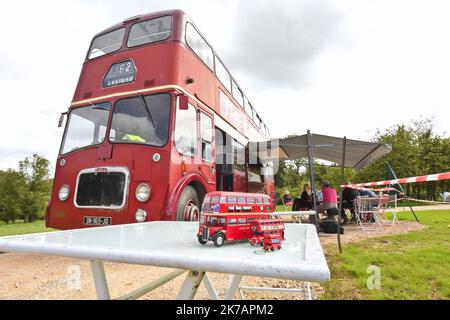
<point>224,161</point>
<point>233,232</point>
<point>244,227</point>
<point>239,167</point>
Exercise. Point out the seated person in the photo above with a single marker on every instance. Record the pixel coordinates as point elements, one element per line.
<point>329,197</point>
<point>348,199</point>
<point>332,213</point>
<point>304,201</point>
<point>287,199</point>
<point>367,193</point>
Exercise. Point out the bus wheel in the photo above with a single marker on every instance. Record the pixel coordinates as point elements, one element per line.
<point>200,239</point>
<point>188,205</point>
<point>219,240</point>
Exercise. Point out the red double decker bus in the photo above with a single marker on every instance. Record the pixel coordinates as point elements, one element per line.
<point>156,122</point>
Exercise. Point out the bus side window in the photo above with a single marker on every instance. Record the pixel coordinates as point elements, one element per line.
<point>242,221</point>
<point>200,47</point>
<point>206,132</point>
<point>185,135</point>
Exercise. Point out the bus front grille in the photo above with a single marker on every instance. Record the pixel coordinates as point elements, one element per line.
<point>104,190</point>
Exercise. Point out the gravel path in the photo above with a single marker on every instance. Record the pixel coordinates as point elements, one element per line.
<point>26,276</point>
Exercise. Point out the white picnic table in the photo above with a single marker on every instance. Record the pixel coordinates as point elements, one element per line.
<point>175,245</point>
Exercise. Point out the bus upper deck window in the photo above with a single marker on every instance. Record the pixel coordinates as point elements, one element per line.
<point>150,31</point>
<point>106,43</point>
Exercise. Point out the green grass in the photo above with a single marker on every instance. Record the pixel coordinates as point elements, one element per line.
<point>415,265</point>
<point>404,203</point>
<point>23,228</point>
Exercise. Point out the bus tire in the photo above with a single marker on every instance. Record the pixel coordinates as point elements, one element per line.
<point>219,239</point>
<point>188,208</point>
<point>200,239</point>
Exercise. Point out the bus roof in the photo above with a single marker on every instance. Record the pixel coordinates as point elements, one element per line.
<point>143,17</point>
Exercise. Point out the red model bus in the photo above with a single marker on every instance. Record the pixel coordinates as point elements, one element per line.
<point>235,216</point>
<point>261,228</point>
<point>156,122</point>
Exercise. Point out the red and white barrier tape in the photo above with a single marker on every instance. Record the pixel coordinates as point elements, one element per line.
<point>430,177</point>
<point>372,189</point>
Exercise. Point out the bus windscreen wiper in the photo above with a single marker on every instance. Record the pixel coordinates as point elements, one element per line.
<point>98,107</point>
<point>148,110</point>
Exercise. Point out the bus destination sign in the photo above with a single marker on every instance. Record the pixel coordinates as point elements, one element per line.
<point>120,73</point>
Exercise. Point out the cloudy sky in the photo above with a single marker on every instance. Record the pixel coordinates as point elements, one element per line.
<point>338,67</point>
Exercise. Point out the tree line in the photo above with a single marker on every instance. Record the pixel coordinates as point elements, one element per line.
<point>24,193</point>
<point>416,150</point>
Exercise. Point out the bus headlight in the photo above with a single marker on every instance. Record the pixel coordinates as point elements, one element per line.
<point>143,192</point>
<point>141,215</point>
<point>64,193</point>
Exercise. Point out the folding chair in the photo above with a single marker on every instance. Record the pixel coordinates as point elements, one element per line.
<point>394,212</point>
<point>368,212</point>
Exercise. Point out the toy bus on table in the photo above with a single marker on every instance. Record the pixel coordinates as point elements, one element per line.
<point>235,216</point>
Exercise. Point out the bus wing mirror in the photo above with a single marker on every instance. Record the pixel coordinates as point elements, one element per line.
<point>183,102</point>
<point>61,119</point>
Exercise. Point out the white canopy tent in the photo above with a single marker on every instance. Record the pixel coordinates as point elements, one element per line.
<point>359,154</point>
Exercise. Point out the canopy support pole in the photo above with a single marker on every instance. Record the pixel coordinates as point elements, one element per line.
<point>313,179</point>
<point>401,190</point>
<point>340,195</point>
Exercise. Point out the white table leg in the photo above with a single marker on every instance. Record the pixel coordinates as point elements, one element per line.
<point>210,288</point>
<point>308,295</point>
<point>190,285</point>
<point>234,286</point>
<point>101,286</point>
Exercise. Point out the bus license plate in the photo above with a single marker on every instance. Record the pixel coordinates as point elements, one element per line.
<point>97,221</point>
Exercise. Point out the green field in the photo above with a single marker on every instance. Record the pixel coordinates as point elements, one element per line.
<point>22,228</point>
<point>415,265</point>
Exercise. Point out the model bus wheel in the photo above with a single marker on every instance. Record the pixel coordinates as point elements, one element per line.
<point>272,248</point>
<point>188,205</point>
<point>219,240</point>
<point>200,239</point>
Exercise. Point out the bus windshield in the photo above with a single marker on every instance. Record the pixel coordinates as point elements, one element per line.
<point>150,31</point>
<point>142,119</point>
<point>106,43</point>
<point>86,126</point>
